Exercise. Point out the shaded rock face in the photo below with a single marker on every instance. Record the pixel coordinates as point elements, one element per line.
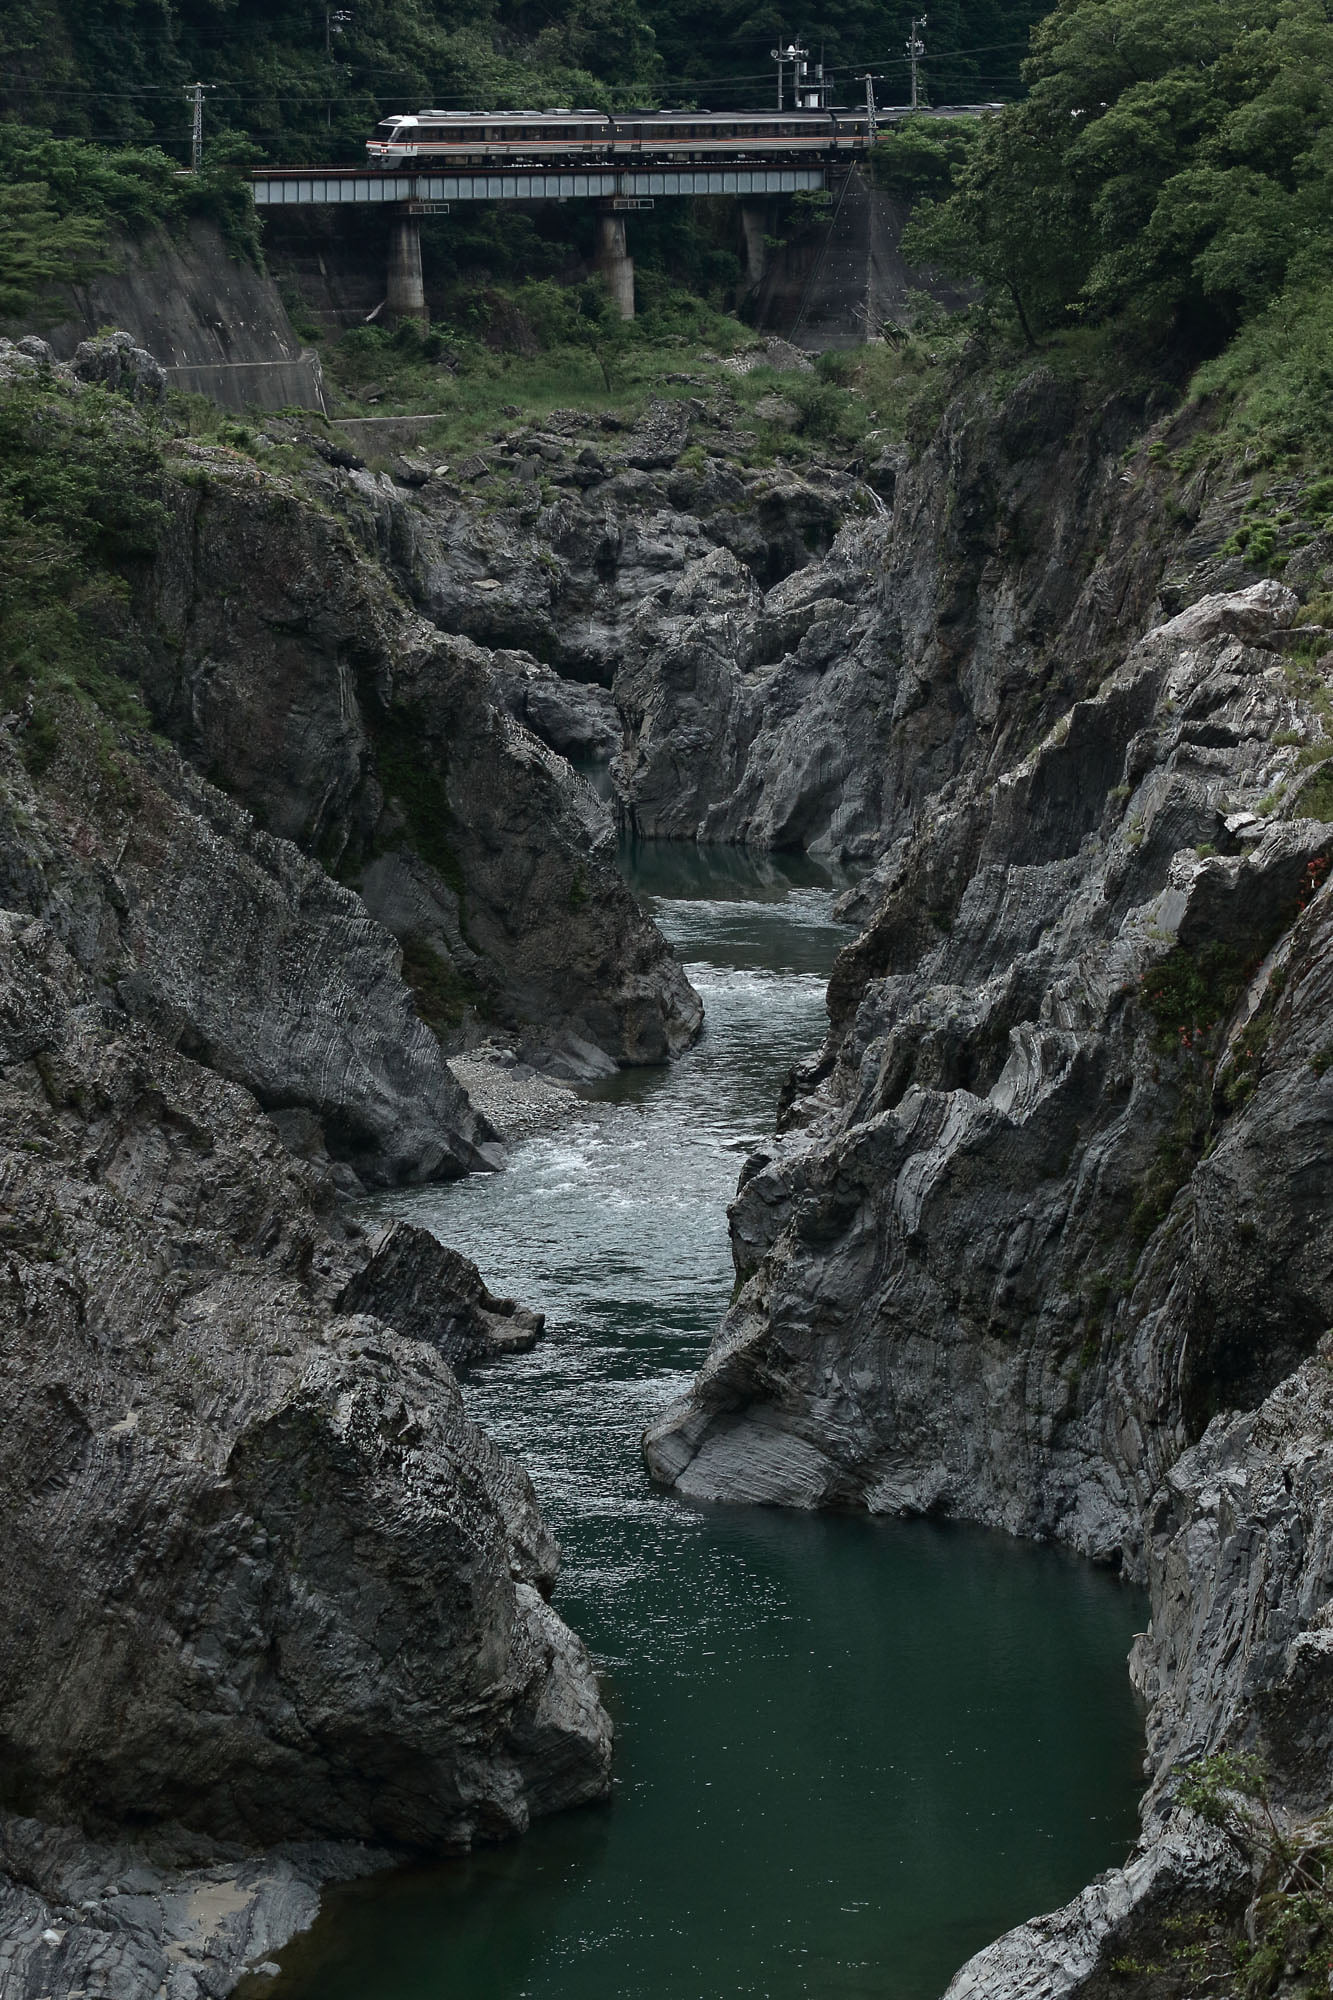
<point>390,752</point>
<point>589,565</point>
<point>239,951</point>
<point>577,718</point>
<point>263,1580</point>
<point>550,540</point>
<point>1042,1240</point>
<point>1009,1119</point>
<point>272,1604</point>
<point>850,692</point>
<point>181,1916</point>
<point>794,663</point>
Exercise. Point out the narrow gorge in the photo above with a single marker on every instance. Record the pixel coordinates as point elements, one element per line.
<point>318,939</point>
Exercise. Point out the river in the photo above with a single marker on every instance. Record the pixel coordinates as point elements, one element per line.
<point>850,1752</point>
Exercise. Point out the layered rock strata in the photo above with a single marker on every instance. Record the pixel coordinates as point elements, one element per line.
<point>799,656</point>
<point>1041,1241</point>
<point>263,1581</point>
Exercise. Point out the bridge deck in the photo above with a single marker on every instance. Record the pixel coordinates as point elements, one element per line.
<point>306,186</point>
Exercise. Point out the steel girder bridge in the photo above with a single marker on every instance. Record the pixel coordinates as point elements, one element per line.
<point>616,191</point>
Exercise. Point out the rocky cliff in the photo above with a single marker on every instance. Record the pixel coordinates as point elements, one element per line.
<point>275,1611</point>
<point>1040,1242</point>
<point>368,850</point>
<point>263,1581</point>
<point>789,666</point>
<point>658,602</point>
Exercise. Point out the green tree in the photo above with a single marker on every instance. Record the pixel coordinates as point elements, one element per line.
<point>1171,158</point>
<point>40,248</point>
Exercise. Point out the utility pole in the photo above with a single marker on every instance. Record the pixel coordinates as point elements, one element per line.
<point>779,56</point>
<point>916,48</point>
<point>872,116</point>
<point>195,92</point>
<point>336,22</point>
<point>797,55</point>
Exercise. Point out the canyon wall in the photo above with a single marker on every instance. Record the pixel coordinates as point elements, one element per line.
<point>276,1611</point>
<point>1039,1242</point>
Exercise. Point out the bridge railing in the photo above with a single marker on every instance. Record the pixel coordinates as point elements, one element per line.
<point>304,186</point>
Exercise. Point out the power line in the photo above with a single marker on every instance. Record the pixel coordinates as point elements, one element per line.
<point>319,87</point>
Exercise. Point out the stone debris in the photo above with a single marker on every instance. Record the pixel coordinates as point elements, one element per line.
<point>511,1095</point>
<point>116,361</point>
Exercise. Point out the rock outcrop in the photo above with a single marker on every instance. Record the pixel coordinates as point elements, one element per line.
<point>276,1612</point>
<point>638,561</point>
<point>1041,1241</point>
<point>263,1579</point>
<point>794,663</point>
<point>389,752</point>
<point>180,1916</point>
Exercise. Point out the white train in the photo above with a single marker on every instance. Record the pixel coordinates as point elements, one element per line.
<point>677,138</point>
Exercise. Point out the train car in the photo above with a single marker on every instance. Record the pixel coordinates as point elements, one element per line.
<point>588,138</point>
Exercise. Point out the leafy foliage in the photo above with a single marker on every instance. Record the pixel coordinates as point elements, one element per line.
<point>299,82</point>
<point>1189,993</point>
<point>39,247</point>
<point>1171,161</point>
<point>715,51</point>
<point>61,200</point>
<point>303,84</point>
<point>923,157</point>
<point>78,507</point>
<point>1288,1927</point>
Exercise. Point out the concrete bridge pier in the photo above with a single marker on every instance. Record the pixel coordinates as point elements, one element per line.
<point>405,294</point>
<point>614,262</point>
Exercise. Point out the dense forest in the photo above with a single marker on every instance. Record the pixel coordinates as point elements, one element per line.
<point>1169,176</point>
<point>304,80</point>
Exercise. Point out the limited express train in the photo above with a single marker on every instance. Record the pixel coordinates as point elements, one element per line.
<point>545,138</point>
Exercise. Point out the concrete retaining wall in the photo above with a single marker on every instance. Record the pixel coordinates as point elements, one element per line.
<point>218,326</point>
<point>838,281</point>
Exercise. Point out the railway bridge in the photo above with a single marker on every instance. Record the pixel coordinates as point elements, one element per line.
<point>426,164</point>
<point>616,191</point>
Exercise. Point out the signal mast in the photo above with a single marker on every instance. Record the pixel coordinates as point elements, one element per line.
<point>808,89</point>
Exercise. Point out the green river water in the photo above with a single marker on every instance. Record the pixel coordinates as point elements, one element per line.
<point>850,1752</point>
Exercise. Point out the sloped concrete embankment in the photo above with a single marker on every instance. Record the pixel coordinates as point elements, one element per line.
<point>216,323</point>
